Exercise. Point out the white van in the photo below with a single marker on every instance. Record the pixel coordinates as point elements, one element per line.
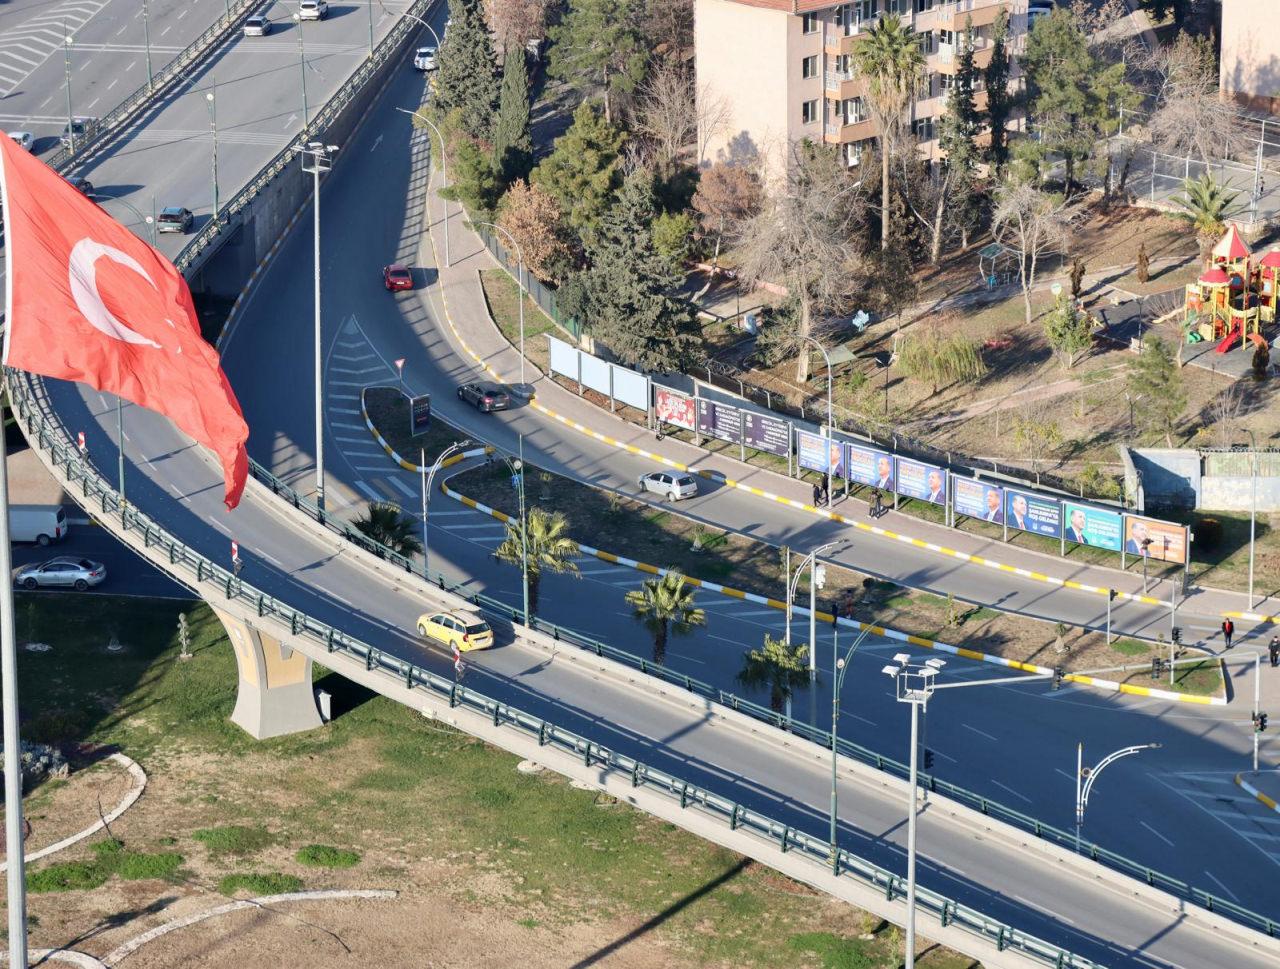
<point>41,524</point>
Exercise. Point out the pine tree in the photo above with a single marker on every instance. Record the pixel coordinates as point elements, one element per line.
<point>581,173</point>
<point>999,98</point>
<point>598,48</point>
<point>1155,385</point>
<point>466,78</point>
<point>512,145</point>
<point>625,294</point>
<point>958,138</point>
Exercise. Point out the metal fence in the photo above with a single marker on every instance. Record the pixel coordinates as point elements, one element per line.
<point>543,296</point>
<point>211,581</point>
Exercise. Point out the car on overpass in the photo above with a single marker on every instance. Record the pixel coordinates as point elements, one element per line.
<point>484,397</point>
<point>424,59</point>
<point>672,485</point>
<point>25,139</point>
<point>64,572</point>
<point>174,219</point>
<point>459,630</point>
<point>313,10</point>
<point>78,128</point>
<point>396,277</point>
<point>257,26</point>
<point>81,184</point>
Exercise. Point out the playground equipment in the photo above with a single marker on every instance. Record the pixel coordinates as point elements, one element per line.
<point>1234,298</point>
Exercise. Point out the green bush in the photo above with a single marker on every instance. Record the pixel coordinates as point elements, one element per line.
<point>137,866</point>
<point>234,839</point>
<point>68,877</point>
<point>259,884</point>
<point>327,856</point>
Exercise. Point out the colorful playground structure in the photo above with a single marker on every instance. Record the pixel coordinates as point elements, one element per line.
<point>1235,298</point>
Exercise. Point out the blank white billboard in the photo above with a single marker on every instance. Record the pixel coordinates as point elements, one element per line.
<point>630,388</point>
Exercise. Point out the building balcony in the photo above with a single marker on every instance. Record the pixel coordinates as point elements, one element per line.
<point>948,56</point>
<point>842,85</point>
<point>843,134</point>
<point>982,13</point>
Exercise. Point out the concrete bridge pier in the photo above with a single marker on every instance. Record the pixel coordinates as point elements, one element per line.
<point>275,696</point>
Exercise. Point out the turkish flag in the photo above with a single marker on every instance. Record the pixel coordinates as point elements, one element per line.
<point>91,302</point>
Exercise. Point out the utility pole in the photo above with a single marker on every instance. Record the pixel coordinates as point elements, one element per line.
<point>302,64</point>
<point>211,98</point>
<point>146,27</point>
<point>66,73</point>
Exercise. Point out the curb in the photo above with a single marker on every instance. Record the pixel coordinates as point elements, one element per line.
<point>1257,794</point>
<point>247,288</point>
<point>1252,616</point>
<point>880,631</point>
<point>409,465</point>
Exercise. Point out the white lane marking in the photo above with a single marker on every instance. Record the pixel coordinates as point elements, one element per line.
<point>166,30</point>
<point>369,492</point>
<point>1069,777</point>
<point>404,488</point>
<point>1156,833</point>
<point>113,83</point>
<point>130,67</point>
<point>182,13</point>
<point>377,141</point>
<point>1006,787</point>
<point>981,733</point>
<point>93,102</point>
<point>122,30</point>
<point>938,753</point>
<point>1222,886</point>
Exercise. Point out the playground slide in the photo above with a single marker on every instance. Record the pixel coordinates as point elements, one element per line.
<point>1227,340</point>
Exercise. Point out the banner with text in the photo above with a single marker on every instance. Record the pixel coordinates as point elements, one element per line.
<point>977,499</point>
<point>869,466</point>
<point>721,421</point>
<point>766,433</point>
<point>1168,542</point>
<point>674,408</point>
<point>1096,527</point>
<point>817,453</point>
<point>928,482</point>
<point>1033,513</point>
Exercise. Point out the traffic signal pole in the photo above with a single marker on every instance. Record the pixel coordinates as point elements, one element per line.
<point>1257,705</point>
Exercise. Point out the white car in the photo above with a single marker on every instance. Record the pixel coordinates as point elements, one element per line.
<point>25,139</point>
<point>672,485</point>
<point>424,59</point>
<point>313,10</point>
<point>257,26</point>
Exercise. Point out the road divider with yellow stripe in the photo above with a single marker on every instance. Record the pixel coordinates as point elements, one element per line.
<point>1253,617</point>
<point>394,456</point>
<point>1258,795</point>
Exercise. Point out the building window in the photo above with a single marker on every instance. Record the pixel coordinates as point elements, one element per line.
<point>923,5</point>
<point>924,39</point>
<point>864,11</point>
<point>922,128</point>
<point>853,153</point>
<point>809,23</point>
<point>809,112</point>
<point>854,110</point>
<point>893,6</point>
<point>946,82</point>
<point>809,67</point>
<point>946,36</point>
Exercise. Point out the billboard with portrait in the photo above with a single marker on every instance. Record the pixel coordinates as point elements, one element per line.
<point>928,482</point>
<point>721,421</point>
<point>1096,527</point>
<point>869,466</point>
<point>1033,513</point>
<point>674,408</point>
<point>1168,541</point>
<point>766,433</point>
<point>817,453</point>
<point>977,499</point>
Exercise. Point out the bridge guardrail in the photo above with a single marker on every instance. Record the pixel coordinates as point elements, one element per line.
<point>162,81</point>
<point>42,429</point>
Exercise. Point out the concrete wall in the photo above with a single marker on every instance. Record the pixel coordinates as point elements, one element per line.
<point>1250,65</point>
<point>1208,480</point>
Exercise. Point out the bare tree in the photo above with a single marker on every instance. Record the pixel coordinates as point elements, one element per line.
<point>1031,224</point>
<point>804,237</point>
<point>665,114</point>
<point>515,22</point>
<point>668,26</point>
<point>1226,409</point>
<point>927,195</point>
<point>727,196</point>
<point>1189,118</point>
<point>1036,435</point>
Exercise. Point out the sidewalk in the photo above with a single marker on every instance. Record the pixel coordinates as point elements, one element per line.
<point>458,300</point>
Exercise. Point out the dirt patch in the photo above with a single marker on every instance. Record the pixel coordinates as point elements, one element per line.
<point>57,809</point>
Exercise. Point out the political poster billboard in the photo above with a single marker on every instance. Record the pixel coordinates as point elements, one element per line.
<point>1168,542</point>
<point>869,466</point>
<point>1096,527</point>
<point>1033,513</point>
<point>928,482</point>
<point>674,408</point>
<point>817,453</point>
<point>766,433</point>
<point>977,499</point>
<point>721,421</point>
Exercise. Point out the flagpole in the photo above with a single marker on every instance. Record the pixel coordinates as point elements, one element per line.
<point>13,826</point>
<point>120,440</point>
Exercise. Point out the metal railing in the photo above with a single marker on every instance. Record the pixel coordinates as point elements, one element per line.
<point>540,294</point>
<point>162,82</point>
<point>215,583</point>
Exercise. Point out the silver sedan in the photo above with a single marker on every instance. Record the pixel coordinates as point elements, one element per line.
<point>66,571</point>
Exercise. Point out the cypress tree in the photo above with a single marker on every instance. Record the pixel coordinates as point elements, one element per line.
<point>466,80</point>
<point>512,145</point>
<point>999,99</point>
<point>958,138</point>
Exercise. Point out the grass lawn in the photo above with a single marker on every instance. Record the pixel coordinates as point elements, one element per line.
<point>379,797</point>
<point>503,296</point>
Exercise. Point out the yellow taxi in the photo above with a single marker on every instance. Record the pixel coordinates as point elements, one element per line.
<point>456,629</point>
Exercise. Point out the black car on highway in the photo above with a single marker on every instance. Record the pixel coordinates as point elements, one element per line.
<point>485,397</point>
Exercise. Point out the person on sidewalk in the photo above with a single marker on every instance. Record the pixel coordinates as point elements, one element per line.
<point>1273,651</point>
<point>875,502</point>
<point>1228,630</point>
<point>817,495</point>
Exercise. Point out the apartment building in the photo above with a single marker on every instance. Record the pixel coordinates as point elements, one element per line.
<point>1250,62</point>
<point>772,72</point>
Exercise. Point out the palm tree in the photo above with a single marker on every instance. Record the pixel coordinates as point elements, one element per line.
<point>549,548</point>
<point>891,64</point>
<point>665,606</point>
<point>781,667</point>
<point>1207,205</point>
<point>384,524</point>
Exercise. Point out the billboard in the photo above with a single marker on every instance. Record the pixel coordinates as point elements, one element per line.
<point>673,408</point>
<point>928,482</point>
<point>721,421</point>
<point>869,466</point>
<point>817,453</point>
<point>629,387</point>
<point>1097,527</point>
<point>419,414</point>
<point>1168,541</point>
<point>766,433</point>
<point>564,357</point>
<point>594,374</point>
<point>1033,513</point>
<point>977,499</point>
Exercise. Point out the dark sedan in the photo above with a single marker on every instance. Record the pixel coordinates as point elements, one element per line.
<point>486,398</point>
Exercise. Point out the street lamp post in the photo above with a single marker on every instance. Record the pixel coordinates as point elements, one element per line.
<point>915,683</point>
<point>302,64</point>
<point>321,161</point>
<point>66,74</point>
<point>524,294</point>
<point>444,176</point>
<point>827,358</point>
<point>148,220</point>
<point>146,28</point>
<point>517,473</point>
<point>1086,776</point>
<point>213,129</point>
<point>816,575</point>
<point>837,682</point>
<point>428,475</point>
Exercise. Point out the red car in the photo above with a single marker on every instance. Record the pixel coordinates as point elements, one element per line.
<point>397,277</point>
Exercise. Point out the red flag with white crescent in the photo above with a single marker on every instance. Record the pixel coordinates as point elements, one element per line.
<point>89,301</point>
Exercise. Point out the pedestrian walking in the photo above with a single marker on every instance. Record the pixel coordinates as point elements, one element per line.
<point>817,494</point>
<point>875,502</point>
<point>1228,630</point>
<point>1273,650</point>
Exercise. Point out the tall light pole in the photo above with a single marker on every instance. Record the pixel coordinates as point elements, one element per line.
<point>827,358</point>
<point>517,473</point>
<point>1253,506</point>
<point>302,65</point>
<point>66,74</point>
<point>420,117</point>
<point>915,686</point>
<point>213,129</point>
<point>523,295</point>
<point>13,823</point>
<point>1086,776</point>
<point>120,457</point>
<point>837,682</point>
<point>428,475</point>
<point>321,161</point>
<point>146,28</point>
<point>817,573</point>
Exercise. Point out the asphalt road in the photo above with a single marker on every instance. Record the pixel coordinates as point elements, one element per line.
<point>127,573</point>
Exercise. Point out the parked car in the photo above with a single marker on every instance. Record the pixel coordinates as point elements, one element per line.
<point>81,184</point>
<point>41,524</point>
<point>424,59</point>
<point>313,10</point>
<point>459,630</point>
<point>25,139</point>
<point>174,219</point>
<point>485,397</point>
<point>66,571</point>
<point>81,128</point>
<point>257,26</point>
<point>396,277</point>
<point>672,485</point>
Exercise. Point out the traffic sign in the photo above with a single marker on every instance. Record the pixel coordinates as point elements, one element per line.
<point>419,414</point>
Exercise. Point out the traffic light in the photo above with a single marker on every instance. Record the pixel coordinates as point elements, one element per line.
<point>1262,722</point>
<point>1157,667</point>
<point>1058,673</point>
<point>1176,635</point>
<point>928,759</point>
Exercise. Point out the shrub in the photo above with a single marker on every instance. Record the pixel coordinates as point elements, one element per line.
<point>327,856</point>
<point>260,884</point>
<point>137,866</point>
<point>234,839</point>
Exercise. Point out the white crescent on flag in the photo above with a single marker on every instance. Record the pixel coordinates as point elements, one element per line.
<point>82,270</point>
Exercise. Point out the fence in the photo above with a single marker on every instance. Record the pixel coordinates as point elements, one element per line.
<point>540,294</point>
<point>214,582</point>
